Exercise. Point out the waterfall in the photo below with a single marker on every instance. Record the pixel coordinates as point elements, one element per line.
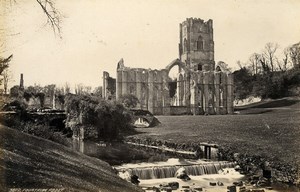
<point>157,172</point>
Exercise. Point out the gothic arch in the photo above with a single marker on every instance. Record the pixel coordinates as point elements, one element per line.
<point>178,63</point>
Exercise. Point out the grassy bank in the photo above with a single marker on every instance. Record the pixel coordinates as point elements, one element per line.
<point>271,130</point>
<point>31,162</point>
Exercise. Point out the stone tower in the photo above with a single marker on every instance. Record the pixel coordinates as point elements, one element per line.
<point>196,47</point>
<point>21,82</point>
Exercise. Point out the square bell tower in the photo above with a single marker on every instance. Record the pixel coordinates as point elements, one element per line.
<point>196,46</point>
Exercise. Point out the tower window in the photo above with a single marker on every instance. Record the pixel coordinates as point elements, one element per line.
<point>200,43</point>
<point>199,67</point>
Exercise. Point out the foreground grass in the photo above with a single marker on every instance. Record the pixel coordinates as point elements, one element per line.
<point>270,130</point>
<point>31,162</point>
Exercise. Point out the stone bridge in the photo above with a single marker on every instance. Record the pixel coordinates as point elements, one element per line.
<point>56,119</point>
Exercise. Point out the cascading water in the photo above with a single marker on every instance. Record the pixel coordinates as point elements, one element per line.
<point>158,171</point>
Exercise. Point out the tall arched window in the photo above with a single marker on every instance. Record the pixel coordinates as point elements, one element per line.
<point>132,89</point>
<point>200,43</point>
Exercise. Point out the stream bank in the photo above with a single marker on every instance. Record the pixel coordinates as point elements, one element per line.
<point>258,170</point>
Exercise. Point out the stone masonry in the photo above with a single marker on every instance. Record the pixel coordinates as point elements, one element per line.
<point>198,88</point>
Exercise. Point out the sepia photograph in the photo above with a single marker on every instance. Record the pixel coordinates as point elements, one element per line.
<point>150,96</point>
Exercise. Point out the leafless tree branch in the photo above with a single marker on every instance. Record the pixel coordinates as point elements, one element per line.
<point>53,16</point>
<point>4,63</point>
<point>269,54</point>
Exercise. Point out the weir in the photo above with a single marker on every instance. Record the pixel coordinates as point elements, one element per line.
<point>207,151</point>
<point>159,172</point>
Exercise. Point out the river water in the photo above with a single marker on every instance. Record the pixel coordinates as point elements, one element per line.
<point>155,168</point>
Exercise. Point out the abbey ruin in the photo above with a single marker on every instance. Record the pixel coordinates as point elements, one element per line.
<point>199,88</point>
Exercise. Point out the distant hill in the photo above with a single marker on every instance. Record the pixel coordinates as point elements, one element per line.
<point>31,162</point>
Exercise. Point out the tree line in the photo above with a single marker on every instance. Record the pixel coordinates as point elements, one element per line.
<point>267,74</point>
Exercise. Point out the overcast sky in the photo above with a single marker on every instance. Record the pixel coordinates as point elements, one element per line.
<point>96,34</point>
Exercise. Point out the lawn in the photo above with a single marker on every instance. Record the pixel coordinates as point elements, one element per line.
<point>271,129</point>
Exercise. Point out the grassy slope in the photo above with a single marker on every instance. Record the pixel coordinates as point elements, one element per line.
<point>273,132</point>
<point>30,162</point>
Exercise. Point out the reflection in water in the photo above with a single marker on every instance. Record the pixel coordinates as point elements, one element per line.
<point>121,153</point>
<point>116,153</point>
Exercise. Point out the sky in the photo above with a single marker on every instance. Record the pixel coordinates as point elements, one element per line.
<point>96,34</point>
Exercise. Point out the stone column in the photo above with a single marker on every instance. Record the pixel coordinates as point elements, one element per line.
<point>217,92</point>
<point>124,82</point>
<point>131,82</point>
<point>193,92</point>
<point>205,90</point>
<point>159,93</point>
<point>180,90</point>
<point>145,90</point>
<point>230,93</point>
<point>200,102</point>
<point>150,91</point>
<point>224,87</point>
<point>187,91</point>
<point>211,93</point>
<point>119,84</point>
<point>105,85</point>
<point>166,95</point>
<point>138,80</point>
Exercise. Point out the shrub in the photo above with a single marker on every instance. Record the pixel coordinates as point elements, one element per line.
<point>129,100</point>
<point>267,85</point>
<point>109,118</point>
<point>44,131</point>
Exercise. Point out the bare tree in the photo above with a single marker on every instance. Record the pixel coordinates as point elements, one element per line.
<point>67,88</point>
<point>4,63</point>
<point>81,89</point>
<point>49,90</point>
<point>264,64</point>
<point>254,61</point>
<point>53,15</point>
<point>269,54</point>
<point>285,60</point>
<point>239,63</point>
<point>49,9</point>
<point>63,90</point>
<point>78,89</point>
<point>294,53</point>
<point>87,90</point>
<point>98,91</point>
<point>7,76</point>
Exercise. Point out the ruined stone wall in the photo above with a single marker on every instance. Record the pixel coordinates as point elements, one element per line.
<point>109,86</point>
<point>199,88</point>
<point>146,85</point>
<point>197,92</point>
